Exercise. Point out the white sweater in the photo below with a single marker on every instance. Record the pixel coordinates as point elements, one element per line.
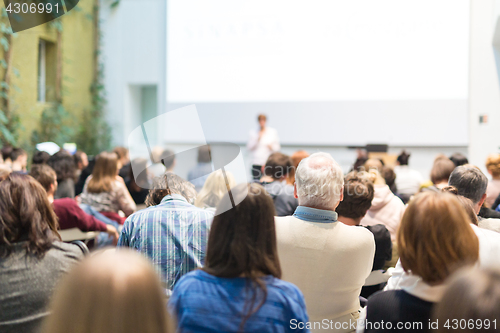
<point>328,262</point>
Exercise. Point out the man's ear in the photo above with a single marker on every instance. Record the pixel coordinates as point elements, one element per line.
<point>482,200</point>
<point>295,191</point>
<point>342,194</point>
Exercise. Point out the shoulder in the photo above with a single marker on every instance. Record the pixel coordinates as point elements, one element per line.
<point>360,233</point>
<point>379,231</point>
<point>64,202</point>
<point>65,252</point>
<point>287,289</point>
<point>193,281</point>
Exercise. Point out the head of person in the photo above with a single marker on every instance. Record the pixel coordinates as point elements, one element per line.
<point>81,160</point>
<point>262,119</point>
<point>214,189</point>
<point>242,240</point>
<point>63,164</point>
<point>40,157</point>
<point>204,154</point>
<point>115,291</point>
<point>441,170</point>
<point>104,173</point>
<point>26,215</point>
<point>403,158</point>
<point>46,176</point>
<point>470,183</point>
<point>389,176</point>
<point>277,166</point>
<point>20,156</point>
<point>459,159</point>
<point>123,155</point>
<point>466,203</point>
<point>319,182</point>
<point>138,173</point>
<point>473,295</point>
<point>493,165</point>
<point>296,157</point>
<point>4,171</point>
<point>435,237</point>
<point>6,151</point>
<point>168,159</point>
<point>168,184</point>
<point>358,196</point>
<point>374,163</point>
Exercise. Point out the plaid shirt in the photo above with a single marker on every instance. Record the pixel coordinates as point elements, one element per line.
<point>173,234</point>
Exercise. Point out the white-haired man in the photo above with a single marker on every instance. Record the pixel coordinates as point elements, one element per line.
<point>328,260</point>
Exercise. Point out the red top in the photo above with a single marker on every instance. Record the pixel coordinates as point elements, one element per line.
<point>70,215</point>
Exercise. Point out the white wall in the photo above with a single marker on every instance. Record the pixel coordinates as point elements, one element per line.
<point>133,51</point>
<point>134,44</point>
<point>484,89</point>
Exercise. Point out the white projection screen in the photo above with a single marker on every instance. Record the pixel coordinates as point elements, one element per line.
<point>326,72</point>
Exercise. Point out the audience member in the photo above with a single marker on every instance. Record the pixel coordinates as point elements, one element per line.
<point>64,166</point>
<point>386,208</point>
<point>262,143</point>
<point>390,178</point>
<point>493,189</point>
<point>358,196</point>
<point>6,151</point>
<point>434,238</point>
<point>105,191</point>
<point>408,181</point>
<point>82,179</point>
<point>123,162</point>
<point>459,159</point>
<point>40,157</point>
<point>214,189</point>
<point>466,203</point>
<point>296,157</point>
<point>471,183</point>
<point>68,213</point>
<point>276,170</point>
<point>116,291</point>
<point>473,295</point>
<point>199,174</point>
<point>4,172</point>
<point>138,185</point>
<point>171,232</point>
<point>240,282</point>
<point>440,173</point>
<point>168,160</point>
<point>81,162</point>
<point>19,159</point>
<point>361,158</point>
<point>327,260</point>
<point>32,257</point>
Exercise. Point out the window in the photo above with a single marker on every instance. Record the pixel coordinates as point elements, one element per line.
<point>47,63</point>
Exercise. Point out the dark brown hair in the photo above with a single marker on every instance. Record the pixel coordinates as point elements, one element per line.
<point>442,169</point>
<point>104,173</point>
<point>277,165</point>
<point>473,295</point>
<point>242,242</point>
<point>25,215</point>
<point>63,164</point>
<point>358,196</point>
<point>435,237</point>
<point>44,174</point>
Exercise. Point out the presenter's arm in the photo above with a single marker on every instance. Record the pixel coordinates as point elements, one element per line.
<point>253,141</point>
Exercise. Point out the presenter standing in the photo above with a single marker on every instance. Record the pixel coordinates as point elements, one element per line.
<point>263,142</point>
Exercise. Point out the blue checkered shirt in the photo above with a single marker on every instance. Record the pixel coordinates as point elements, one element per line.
<point>173,235</point>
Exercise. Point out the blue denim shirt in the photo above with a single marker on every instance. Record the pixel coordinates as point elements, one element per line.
<point>315,215</point>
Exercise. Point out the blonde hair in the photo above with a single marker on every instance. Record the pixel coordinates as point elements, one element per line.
<point>214,189</point>
<point>493,164</point>
<point>104,173</point>
<point>116,291</point>
<point>435,237</point>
